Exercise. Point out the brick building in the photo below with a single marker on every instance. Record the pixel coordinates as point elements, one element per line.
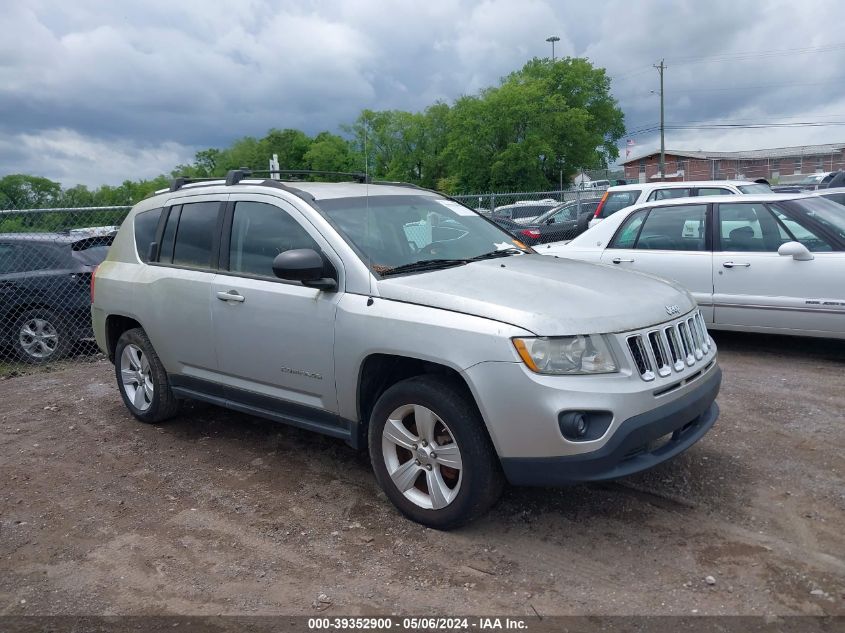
<point>781,164</point>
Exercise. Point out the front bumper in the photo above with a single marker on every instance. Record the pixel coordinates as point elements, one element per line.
<point>627,451</point>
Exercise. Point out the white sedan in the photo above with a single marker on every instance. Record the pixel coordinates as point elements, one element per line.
<point>761,263</point>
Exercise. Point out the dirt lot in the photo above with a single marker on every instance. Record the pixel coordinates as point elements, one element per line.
<point>217,512</point>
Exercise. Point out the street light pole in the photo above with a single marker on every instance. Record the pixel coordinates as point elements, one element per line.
<point>552,40</point>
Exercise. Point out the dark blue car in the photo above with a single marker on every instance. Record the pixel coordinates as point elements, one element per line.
<point>45,291</point>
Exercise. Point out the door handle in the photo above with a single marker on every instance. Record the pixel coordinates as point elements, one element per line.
<point>735,265</point>
<point>619,260</point>
<point>231,295</point>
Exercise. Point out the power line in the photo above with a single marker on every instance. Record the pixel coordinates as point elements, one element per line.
<point>759,54</point>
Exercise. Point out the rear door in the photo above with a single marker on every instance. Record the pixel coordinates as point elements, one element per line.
<point>174,305</point>
<point>670,242</point>
<point>756,288</point>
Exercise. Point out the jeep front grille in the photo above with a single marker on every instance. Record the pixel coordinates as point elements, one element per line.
<point>670,348</point>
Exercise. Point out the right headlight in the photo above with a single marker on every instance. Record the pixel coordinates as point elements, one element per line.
<point>562,355</point>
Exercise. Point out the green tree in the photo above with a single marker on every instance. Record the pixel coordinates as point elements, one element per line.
<point>21,191</point>
<point>546,118</point>
<point>329,152</point>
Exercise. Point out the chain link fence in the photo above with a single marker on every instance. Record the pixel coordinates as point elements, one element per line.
<point>47,257</point>
<point>46,260</point>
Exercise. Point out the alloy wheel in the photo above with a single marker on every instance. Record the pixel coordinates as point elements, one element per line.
<point>136,377</point>
<point>423,459</point>
<point>38,338</point>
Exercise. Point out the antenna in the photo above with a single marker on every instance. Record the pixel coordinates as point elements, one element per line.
<point>367,218</point>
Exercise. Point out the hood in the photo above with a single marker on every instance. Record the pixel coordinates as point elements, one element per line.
<point>545,295</point>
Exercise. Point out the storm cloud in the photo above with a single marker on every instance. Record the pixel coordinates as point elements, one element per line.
<point>98,92</point>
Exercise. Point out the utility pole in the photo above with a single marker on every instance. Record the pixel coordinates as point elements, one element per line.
<point>660,68</point>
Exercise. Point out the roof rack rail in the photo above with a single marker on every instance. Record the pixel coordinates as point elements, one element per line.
<point>234,176</point>
<point>177,183</point>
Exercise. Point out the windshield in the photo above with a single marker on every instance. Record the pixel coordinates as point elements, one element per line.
<point>811,180</point>
<point>393,231</point>
<point>755,188</point>
<point>826,213</point>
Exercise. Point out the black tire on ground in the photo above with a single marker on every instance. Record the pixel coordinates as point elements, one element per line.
<point>482,478</point>
<point>40,336</point>
<point>164,405</point>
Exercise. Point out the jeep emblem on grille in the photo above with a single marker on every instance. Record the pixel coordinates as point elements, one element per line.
<point>673,309</point>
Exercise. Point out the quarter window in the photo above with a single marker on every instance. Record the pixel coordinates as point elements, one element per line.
<point>260,232</point>
<point>627,235</point>
<point>678,228</point>
<point>146,224</point>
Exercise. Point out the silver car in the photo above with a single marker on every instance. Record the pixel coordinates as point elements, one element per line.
<point>405,323</point>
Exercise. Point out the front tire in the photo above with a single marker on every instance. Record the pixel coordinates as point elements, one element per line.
<point>41,336</point>
<point>431,454</point>
<point>142,379</point>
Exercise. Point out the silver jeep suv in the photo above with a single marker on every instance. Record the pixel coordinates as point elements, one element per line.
<point>399,320</point>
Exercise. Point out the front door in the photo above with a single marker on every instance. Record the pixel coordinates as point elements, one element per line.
<point>754,287</point>
<point>275,338</point>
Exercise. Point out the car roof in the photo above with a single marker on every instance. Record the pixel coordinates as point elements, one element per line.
<point>683,183</point>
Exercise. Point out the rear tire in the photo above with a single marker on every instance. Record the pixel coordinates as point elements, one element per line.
<point>142,379</point>
<point>431,453</point>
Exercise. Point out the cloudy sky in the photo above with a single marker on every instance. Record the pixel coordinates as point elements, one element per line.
<point>98,91</point>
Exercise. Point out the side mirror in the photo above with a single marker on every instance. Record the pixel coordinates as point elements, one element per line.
<point>304,265</point>
<point>796,250</point>
<point>550,221</point>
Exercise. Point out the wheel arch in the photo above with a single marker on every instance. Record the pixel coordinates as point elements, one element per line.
<point>380,371</point>
<point>117,324</point>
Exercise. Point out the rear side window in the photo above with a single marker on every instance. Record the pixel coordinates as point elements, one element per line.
<point>260,232</point>
<point>195,234</point>
<point>618,200</point>
<point>678,228</point>
<point>672,192</point>
<point>146,224</point>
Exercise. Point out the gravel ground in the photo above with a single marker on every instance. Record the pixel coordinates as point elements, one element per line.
<point>221,513</point>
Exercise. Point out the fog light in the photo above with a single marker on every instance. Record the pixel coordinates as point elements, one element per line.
<point>573,425</point>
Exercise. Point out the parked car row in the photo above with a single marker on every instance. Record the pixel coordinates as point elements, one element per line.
<point>757,262</point>
<point>562,222</point>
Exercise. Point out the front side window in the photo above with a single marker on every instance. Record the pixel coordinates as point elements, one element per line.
<point>195,234</point>
<point>797,232</point>
<point>749,227</point>
<point>391,231</point>
<point>678,228</point>
<point>261,231</point>
<point>669,193</point>
<point>828,215</point>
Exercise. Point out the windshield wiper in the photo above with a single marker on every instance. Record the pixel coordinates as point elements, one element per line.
<point>424,264</point>
<point>505,252</point>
